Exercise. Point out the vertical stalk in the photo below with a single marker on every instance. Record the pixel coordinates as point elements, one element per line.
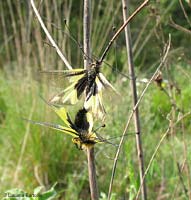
<point>87,61</point>
<point>92,174</point>
<point>134,98</point>
<point>86,31</point>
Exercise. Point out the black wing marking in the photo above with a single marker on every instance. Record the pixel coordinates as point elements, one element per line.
<point>65,73</point>
<point>93,90</point>
<point>81,85</point>
<point>72,125</point>
<point>69,74</point>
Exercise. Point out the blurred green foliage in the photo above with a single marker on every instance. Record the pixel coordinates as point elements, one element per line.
<point>17,194</point>
<point>31,156</point>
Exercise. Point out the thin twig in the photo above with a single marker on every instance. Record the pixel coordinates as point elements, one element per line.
<point>23,147</point>
<point>176,187</point>
<point>180,28</point>
<point>140,154</point>
<point>86,36</point>
<point>121,29</point>
<point>146,39</point>
<point>132,112</point>
<point>49,36</point>
<point>185,150</point>
<point>182,117</point>
<point>184,11</point>
<point>151,160</point>
<point>87,61</point>
<point>182,180</point>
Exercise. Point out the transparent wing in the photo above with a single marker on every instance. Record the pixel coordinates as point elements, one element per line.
<point>95,102</point>
<point>56,127</point>
<point>106,83</point>
<point>90,121</point>
<point>71,93</point>
<point>65,73</point>
<point>61,112</point>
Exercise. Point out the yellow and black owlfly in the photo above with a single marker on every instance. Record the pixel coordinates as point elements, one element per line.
<point>89,81</point>
<point>81,129</point>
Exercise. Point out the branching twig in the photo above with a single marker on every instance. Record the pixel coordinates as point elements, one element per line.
<point>132,112</point>
<point>180,28</point>
<point>23,147</point>
<point>121,29</point>
<point>49,36</point>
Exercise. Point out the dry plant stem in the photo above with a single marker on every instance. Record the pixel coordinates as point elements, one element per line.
<point>140,154</point>
<point>162,183</point>
<point>151,160</point>
<point>185,14</point>
<point>4,32</point>
<point>176,188</point>
<point>86,31</point>
<point>92,174</point>
<point>105,29</point>
<point>180,28</point>
<point>121,29</point>
<point>182,180</point>
<point>24,144</point>
<point>87,61</point>
<point>49,36</point>
<point>156,150</point>
<point>16,39</point>
<point>151,32</point>
<point>131,115</point>
<point>187,168</point>
<point>140,35</point>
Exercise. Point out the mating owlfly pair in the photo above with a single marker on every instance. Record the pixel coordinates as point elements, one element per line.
<point>89,82</point>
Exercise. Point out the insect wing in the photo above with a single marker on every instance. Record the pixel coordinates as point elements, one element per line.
<point>90,121</point>
<point>96,106</point>
<point>61,112</point>
<point>56,127</point>
<point>70,94</point>
<point>54,78</point>
<point>106,83</point>
<point>95,101</point>
<point>67,95</point>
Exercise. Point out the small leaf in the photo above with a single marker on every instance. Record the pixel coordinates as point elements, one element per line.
<point>38,189</point>
<point>48,195</point>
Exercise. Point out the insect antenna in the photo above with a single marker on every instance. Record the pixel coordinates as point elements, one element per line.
<point>101,126</point>
<point>71,36</point>
<point>101,139</point>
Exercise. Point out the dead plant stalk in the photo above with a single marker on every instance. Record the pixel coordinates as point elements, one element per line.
<point>140,154</point>
<point>130,117</point>
<point>121,29</point>
<point>49,36</point>
<point>87,61</point>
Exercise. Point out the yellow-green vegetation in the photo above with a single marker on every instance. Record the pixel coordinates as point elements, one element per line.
<point>39,160</point>
<point>33,155</point>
